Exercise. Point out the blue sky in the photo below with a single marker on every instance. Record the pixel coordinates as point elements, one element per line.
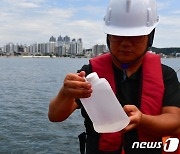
<point>31,21</point>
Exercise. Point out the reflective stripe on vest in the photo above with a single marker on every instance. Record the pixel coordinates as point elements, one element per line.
<point>152,94</point>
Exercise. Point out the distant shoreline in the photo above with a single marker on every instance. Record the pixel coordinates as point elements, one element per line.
<point>31,56</point>
<point>53,56</point>
<point>38,56</point>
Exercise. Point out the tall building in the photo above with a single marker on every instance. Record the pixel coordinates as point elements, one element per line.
<point>52,39</point>
<point>79,46</point>
<point>76,47</point>
<point>98,49</point>
<point>60,39</point>
<point>52,45</point>
<point>43,48</point>
<point>62,46</point>
<point>9,48</point>
<point>1,50</point>
<point>33,48</point>
<point>72,49</point>
<point>67,39</point>
<point>60,50</point>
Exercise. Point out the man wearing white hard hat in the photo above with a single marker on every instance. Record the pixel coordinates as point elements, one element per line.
<point>148,90</point>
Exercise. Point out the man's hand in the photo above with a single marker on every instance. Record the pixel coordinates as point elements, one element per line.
<point>135,117</point>
<point>75,86</point>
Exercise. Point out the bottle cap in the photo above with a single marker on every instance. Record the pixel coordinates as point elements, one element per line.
<point>92,77</point>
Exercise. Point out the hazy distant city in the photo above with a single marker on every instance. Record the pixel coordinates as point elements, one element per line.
<point>67,47</point>
<point>62,46</point>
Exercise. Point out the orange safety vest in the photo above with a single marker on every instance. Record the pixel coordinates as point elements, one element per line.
<point>151,98</point>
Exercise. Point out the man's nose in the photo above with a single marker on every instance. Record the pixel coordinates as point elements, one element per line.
<point>126,42</point>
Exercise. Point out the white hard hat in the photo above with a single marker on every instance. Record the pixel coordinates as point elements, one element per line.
<point>131,17</point>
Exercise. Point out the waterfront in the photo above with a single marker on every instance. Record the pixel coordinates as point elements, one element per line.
<point>26,87</point>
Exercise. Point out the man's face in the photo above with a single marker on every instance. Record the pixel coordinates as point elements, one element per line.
<point>128,48</point>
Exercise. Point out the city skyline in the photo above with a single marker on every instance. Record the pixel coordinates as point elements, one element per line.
<point>50,39</point>
<point>30,21</point>
<point>60,46</point>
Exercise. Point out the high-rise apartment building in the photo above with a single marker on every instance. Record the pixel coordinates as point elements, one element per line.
<point>98,49</point>
<point>52,45</point>
<point>43,48</point>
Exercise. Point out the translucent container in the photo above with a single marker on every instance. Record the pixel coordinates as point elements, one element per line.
<point>103,108</point>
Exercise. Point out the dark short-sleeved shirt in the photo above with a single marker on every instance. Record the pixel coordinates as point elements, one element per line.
<point>129,92</point>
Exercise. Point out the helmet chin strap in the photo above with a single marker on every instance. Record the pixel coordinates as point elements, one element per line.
<point>125,66</point>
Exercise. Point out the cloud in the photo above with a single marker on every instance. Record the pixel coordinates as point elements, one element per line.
<point>40,24</point>
<point>29,21</point>
<point>27,5</point>
<point>59,13</point>
<point>172,20</point>
<point>167,30</point>
<point>163,5</point>
<point>21,3</point>
<point>91,31</point>
<point>176,12</point>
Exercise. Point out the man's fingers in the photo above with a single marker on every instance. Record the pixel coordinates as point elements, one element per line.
<point>78,93</point>
<point>77,84</point>
<point>129,127</point>
<point>82,74</point>
<point>130,109</point>
<point>74,77</point>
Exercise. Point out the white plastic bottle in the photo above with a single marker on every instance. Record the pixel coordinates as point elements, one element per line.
<point>103,108</point>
